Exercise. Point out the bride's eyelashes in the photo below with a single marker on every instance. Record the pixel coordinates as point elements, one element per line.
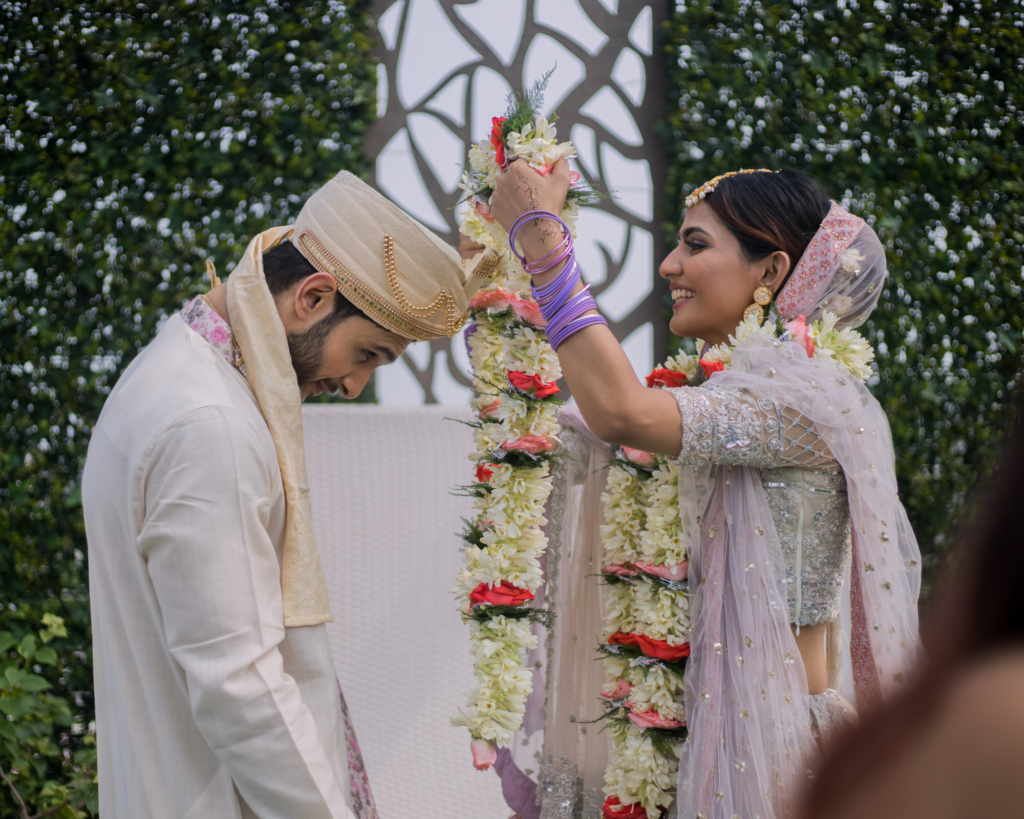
<point>695,247</point>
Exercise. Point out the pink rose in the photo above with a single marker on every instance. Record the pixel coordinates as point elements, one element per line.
<point>491,410</point>
<point>483,211</point>
<point>622,688</point>
<point>219,335</point>
<point>491,299</point>
<point>545,170</point>
<point>678,572</point>
<point>528,311</point>
<point>530,443</point>
<point>651,719</point>
<point>484,754</point>
<point>801,335</point>
<point>637,456</point>
<point>619,571</point>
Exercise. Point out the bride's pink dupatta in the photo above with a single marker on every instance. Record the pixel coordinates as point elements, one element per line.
<point>745,695</point>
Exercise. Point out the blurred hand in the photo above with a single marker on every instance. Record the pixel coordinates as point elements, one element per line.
<point>468,248</point>
<point>521,189</point>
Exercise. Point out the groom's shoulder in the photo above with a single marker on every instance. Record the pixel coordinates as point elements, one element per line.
<point>177,374</point>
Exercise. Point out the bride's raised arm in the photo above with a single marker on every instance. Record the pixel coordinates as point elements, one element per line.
<point>710,281</point>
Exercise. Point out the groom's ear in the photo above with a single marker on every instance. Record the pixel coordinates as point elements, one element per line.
<point>314,296</point>
<point>309,301</point>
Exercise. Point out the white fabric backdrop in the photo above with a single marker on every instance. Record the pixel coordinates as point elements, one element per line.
<point>387,529</point>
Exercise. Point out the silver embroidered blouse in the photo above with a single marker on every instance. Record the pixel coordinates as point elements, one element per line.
<point>805,487</point>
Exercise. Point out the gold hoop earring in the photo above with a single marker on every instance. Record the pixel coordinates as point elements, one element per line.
<point>762,298</point>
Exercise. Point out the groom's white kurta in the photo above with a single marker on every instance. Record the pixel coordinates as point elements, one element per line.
<point>206,705</point>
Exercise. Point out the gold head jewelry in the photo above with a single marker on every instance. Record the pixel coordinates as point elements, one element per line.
<point>709,187</point>
<point>762,298</point>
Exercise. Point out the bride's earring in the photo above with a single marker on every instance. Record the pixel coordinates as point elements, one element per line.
<point>762,298</point>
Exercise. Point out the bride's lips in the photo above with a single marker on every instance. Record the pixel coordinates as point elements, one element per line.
<point>680,296</point>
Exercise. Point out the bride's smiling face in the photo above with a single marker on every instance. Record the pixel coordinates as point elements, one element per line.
<point>712,283</point>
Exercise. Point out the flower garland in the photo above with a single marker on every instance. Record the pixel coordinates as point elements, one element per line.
<point>646,637</point>
<point>515,372</point>
<point>647,628</point>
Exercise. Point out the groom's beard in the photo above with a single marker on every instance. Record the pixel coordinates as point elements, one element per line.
<point>307,351</point>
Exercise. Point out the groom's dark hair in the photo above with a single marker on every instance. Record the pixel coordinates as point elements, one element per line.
<point>284,267</point>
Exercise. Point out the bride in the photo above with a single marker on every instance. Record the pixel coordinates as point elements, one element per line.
<point>785,473</point>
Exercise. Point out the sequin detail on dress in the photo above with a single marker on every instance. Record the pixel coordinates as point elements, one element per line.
<point>806,492</point>
<point>562,794</point>
<point>828,716</point>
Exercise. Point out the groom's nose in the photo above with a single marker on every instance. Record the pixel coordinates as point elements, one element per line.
<point>353,384</point>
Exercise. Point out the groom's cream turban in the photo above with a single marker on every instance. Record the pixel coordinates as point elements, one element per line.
<point>389,266</point>
<point>385,262</point>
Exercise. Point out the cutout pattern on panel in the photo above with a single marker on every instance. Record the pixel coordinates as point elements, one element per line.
<point>446,66</point>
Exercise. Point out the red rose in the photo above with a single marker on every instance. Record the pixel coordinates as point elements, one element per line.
<point>483,474</point>
<point>666,378</point>
<point>496,140</point>
<point>661,650</point>
<point>614,809</point>
<point>710,367</point>
<point>504,594</point>
<point>532,384</point>
<point>655,649</point>
<point>621,638</point>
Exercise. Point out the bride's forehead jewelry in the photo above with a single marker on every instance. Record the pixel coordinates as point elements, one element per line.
<point>709,187</point>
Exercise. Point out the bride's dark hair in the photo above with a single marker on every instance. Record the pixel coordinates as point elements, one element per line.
<point>768,212</point>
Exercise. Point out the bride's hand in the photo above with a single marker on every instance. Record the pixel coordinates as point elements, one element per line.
<point>520,189</point>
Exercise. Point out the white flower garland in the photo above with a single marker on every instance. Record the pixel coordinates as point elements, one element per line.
<point>642,538</point>
<point>514,370</point>
<point>642,532</point>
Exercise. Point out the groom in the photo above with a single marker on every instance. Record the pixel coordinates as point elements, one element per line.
<point>216,693</point>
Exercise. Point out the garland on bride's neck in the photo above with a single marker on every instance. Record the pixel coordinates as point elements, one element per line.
<point>514,375</point>
<point>645,643</point>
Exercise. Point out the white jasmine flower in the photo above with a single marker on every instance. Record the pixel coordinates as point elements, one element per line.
<point>846,347</point>
<point>682,363</point>
<point>720,352</point>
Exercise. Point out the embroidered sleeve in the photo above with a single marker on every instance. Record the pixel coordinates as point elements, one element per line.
<point>728,425</point>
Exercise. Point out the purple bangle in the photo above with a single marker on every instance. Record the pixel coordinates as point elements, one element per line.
<point>541,265</point>
<point>565,250</point>
<point>541,214</point>
<point>553,297</point>
<point>575,327</point>
<point>579,304</point>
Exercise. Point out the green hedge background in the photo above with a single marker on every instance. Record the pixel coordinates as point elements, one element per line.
<point>137,139</point>
<point>908,113</point>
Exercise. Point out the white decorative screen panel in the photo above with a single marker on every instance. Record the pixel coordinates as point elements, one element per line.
<point>446,69</point>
